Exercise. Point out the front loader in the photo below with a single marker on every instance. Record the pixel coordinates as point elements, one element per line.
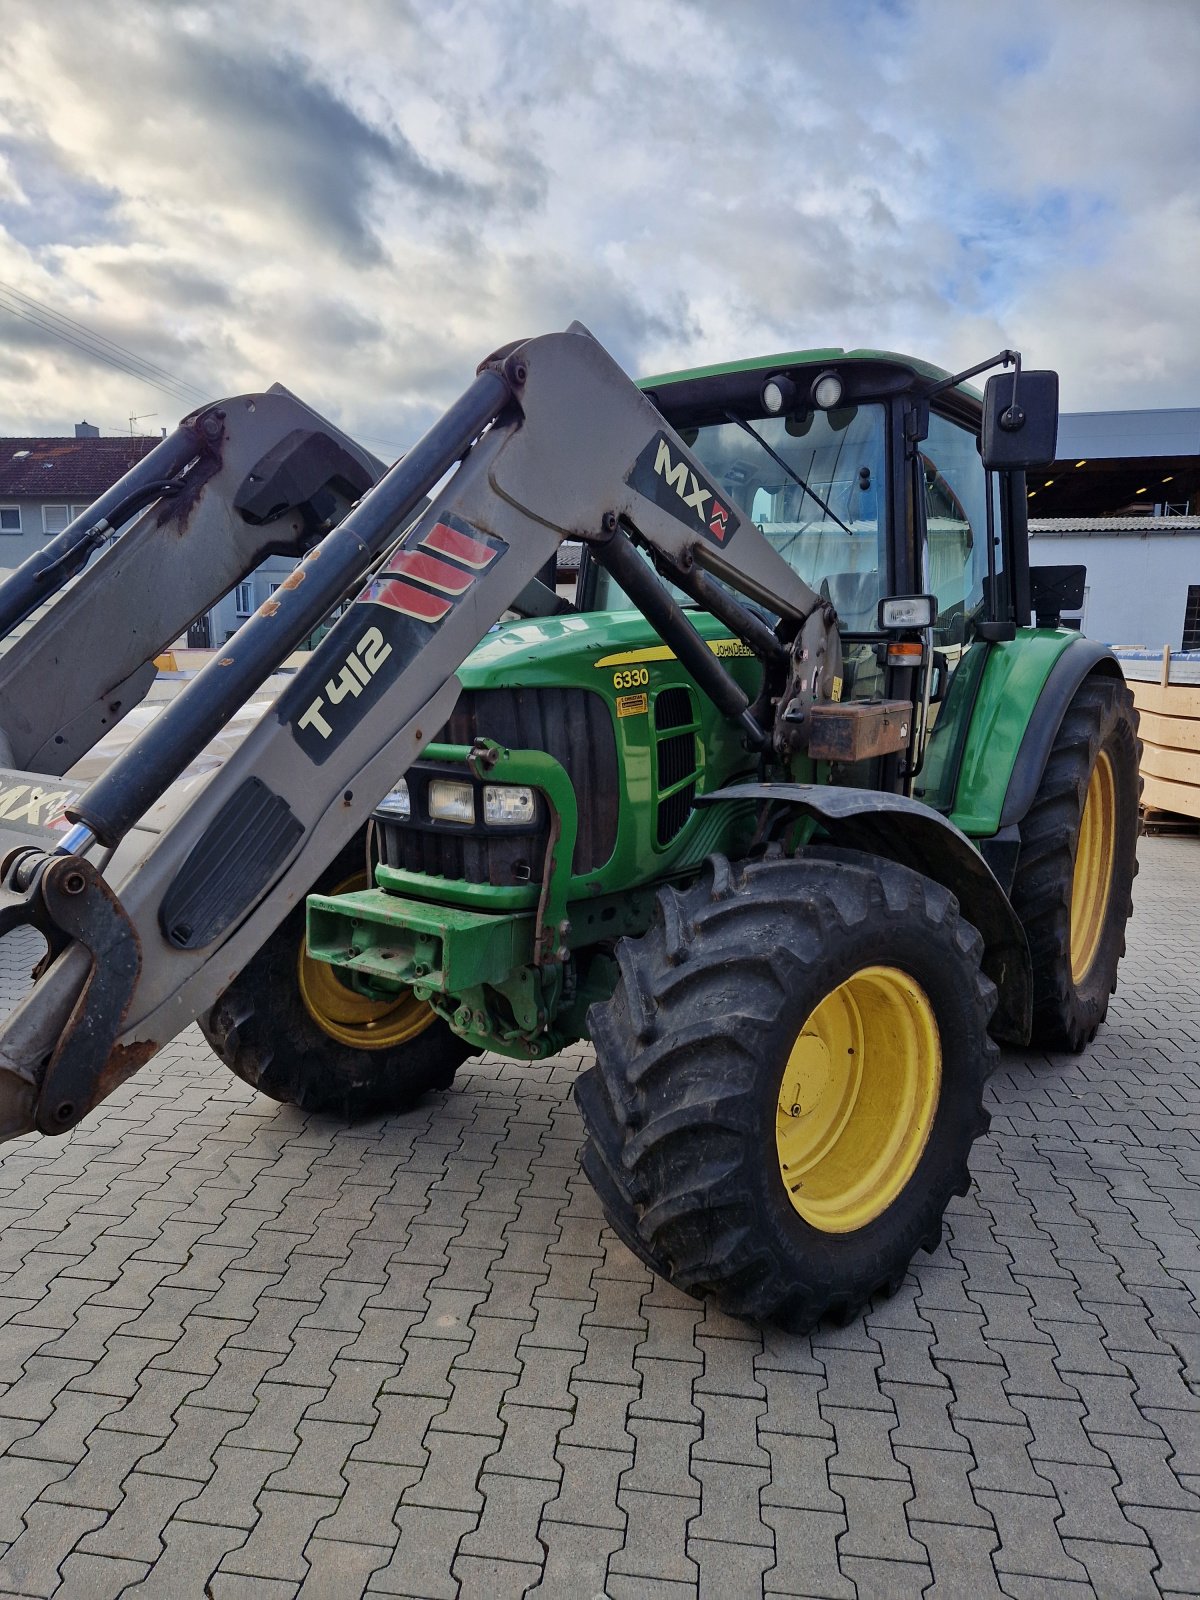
<point>775,813</point>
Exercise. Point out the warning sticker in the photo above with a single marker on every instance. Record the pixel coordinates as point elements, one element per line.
<point>632,705</point>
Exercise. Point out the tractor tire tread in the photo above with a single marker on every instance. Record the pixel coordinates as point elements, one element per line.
<point>670,1120</point>
<point>263,1032</point>
<point>1101,714</point>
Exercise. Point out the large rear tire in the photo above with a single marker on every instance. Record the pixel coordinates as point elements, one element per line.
<point>1078,860</point>
<point>291,1029</point>
<point>788,1082</point>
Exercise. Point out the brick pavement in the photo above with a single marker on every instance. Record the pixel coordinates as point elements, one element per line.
<point>246,1352</point>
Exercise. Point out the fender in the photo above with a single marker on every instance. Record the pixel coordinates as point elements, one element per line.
<point>1075,664</point>
<point>915,836</point>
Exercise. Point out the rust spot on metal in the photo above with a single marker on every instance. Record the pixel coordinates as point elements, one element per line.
<point>294,580</point>
<point>225,661</point>
<point>123,1061</point>
<point>179,509</point>
<point>268,608</point>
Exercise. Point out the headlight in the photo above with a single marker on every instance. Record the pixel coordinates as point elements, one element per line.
<point>508,805</point>
<point>907,611</point>
<point>827,390</point>
<point>778,394</point>
<point>396,804</point>
<point>450,801</point>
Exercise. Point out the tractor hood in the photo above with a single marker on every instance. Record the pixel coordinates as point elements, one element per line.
<point>551,651</point>
<point>576,648</point>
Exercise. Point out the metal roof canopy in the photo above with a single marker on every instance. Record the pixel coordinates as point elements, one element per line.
<point>1123,527</point>
<point>1111,463</point>
<point>1129,435</point>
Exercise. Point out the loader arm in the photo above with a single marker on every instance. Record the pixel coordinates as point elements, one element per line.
<point>253,476</point>
<point>552,441</point>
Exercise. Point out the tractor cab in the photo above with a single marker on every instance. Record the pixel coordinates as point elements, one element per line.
<point>865,471</point>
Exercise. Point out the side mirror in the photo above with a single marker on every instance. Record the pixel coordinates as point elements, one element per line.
<point>1020,427</point>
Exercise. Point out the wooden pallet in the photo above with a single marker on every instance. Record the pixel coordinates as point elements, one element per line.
<point>1156,821</point>
<point>1170,733</point>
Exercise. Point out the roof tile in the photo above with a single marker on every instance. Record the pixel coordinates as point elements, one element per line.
<point>67,469</point>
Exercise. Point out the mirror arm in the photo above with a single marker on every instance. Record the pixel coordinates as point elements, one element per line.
<point>1006,358</point>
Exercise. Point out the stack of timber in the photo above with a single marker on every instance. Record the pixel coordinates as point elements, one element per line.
<point>1166,691</point>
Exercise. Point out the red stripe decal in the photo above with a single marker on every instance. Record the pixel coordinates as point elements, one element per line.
<point>429,570</point>
<point>403,597</point>
<point>448,541</point>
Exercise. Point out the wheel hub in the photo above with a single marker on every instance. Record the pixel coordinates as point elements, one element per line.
<point>1095,855</point>
<point>857,1099</point>
<point>349,1017</point>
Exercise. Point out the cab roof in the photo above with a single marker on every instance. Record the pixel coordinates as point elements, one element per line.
<point>890,362</point>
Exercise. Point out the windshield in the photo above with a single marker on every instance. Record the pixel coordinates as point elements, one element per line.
<point>832,531</point>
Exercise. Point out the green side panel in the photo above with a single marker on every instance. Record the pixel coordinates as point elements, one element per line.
<point>1013,679</point>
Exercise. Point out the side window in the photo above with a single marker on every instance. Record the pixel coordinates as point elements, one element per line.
<point>956,526</point>
<point>955,487</point>
<point>1191,617</point>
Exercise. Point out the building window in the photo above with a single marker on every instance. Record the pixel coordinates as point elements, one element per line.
<point>243,599</point>
<point>77,511</point>
<point>1191,618</point>
<point>272,587</point>
<point>10,519</point>
<point>55,518</point>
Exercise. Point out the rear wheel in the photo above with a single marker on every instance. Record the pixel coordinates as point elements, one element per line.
<point>788,1081</point>
<point>1077,864</point>
<point>288,1026</point>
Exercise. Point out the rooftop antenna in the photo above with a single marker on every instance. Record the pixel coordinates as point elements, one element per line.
<point>139,418</point>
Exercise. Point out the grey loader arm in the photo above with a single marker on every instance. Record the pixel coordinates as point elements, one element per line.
<point>552,441</point>
<point>250,477</point>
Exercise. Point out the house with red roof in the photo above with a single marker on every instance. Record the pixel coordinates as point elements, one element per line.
<point>46,483</point>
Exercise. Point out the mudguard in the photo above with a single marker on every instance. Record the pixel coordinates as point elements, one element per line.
<point>1076,663</point>
<point>907,832</point>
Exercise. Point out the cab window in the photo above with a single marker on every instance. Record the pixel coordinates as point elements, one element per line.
<point>824,509</point>
<point>956,527</point>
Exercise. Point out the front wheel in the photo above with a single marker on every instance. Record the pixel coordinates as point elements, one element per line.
<point>288,1026</point>
<point>788,1081</point>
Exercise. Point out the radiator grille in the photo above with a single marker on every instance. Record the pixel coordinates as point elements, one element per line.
<point>572,725</point>
<point>678,760</point>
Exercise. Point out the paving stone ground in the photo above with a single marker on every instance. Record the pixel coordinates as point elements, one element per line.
<point>246,1352</point>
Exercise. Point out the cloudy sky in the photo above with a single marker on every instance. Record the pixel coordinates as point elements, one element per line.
<point>361,199</point>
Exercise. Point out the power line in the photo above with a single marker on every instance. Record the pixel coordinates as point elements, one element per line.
<point>39,315</point>
<point>73,329</point>
<point>101,348</point>
<point>374,438</point>
<point>94,354</point>
<point>92,336</point>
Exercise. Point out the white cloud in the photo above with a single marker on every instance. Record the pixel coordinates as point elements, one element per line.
<point>363,203</point>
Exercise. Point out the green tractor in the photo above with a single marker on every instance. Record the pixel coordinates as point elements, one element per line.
<point>793,972</point>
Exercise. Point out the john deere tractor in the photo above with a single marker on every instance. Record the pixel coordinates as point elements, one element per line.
<point>803,804</point>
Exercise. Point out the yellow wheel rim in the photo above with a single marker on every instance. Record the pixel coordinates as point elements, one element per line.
<point>352,1018</point>
<point>858,1098</point>
<point>1091,883</point>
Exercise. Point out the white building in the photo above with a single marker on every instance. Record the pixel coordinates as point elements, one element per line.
<point>1123,500</point>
